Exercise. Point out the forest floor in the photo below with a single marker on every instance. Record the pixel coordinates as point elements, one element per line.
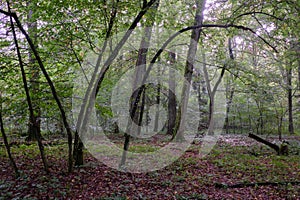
<point>237,168</point>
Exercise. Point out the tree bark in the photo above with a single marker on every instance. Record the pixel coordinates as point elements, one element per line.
<point>259,139</point>
<point>34,125</point>
<point>211,94</point>
<point>290,99</point>
<point>36,133</point>
<point>231,90</point>
<point>50,83</point>
<point>136,112</point>
<point>195,36</point>
<point>200,87</point>
<point>156,120</point>
<point>171,96</point>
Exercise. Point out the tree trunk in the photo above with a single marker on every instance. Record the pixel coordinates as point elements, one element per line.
<point>202,101</point>
<point>211,94</point>
<point>171,96</point>
<point>36,133</point>
<point>180,119</point>
<point>51,85</point>
<point>281,150</point>
<point>140,69</point>
<point>229,89</point>
<point>290,99</point>
<point>280,119</point>
<point>34,125</point>
<point>139,72</point>
<point>259,139</point>
<point>157,111</point>
<point>78,156</point>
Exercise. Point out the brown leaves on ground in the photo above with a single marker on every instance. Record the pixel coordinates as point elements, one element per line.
<point>188,178</point>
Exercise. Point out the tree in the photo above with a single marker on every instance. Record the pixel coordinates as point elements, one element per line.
<point>180,120</point>
<point>136,113</point>
<point>33,120</point>
<point>34,124</point>
<point>172,104</point>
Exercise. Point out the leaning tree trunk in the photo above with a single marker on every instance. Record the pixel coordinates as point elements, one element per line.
<point>36,133</point>
<point>180,119</point>
<point>281,150</point>
<point>261,140</point>
<point>50,83</point>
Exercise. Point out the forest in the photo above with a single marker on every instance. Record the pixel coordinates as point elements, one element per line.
<point>149,99</point>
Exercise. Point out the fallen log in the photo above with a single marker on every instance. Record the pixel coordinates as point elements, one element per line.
<point>259,139</point>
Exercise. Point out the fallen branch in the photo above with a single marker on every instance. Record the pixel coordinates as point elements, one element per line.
<point>242,185</point>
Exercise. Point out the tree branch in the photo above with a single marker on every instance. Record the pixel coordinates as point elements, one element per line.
<point>256,12</point>
<point>225,26</point>
<point>5,12</point>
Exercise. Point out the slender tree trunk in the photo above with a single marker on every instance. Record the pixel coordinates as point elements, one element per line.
<point>231,90</point>
<point>51,85</point>
<point>249,116</point>
<point>139,72</point>
<point>234,121</point>
<point>34,125</point>
<point>29,101</point>
<point>280,118</point>
<point>180,120</point>
<point>171,97</point>
<point>211,94</point>
<point>260,121</point>
<point>157,111</point>
<point>12,161</point>
<point>299,72</point>
<point>200,87</point>
<point>228,108</point>
<point>141,69</point>
<point>290,99</point>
